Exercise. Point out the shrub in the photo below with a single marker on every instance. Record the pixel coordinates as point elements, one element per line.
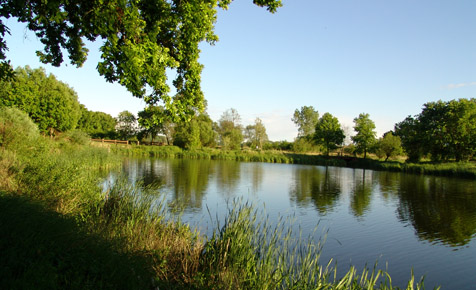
<point>17,130</point>
<point>75,137</point>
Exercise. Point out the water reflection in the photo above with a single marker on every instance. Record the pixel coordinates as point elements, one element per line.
<point>361,192</point>
<point>317,185</point>
<point>388,183</point>
<point>257,177</point>
<point>440,209</point>
<point>190,182</point>
<point>227,177</point>
<point>147,172</point>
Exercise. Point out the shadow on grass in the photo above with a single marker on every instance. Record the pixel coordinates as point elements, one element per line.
<point>41,249</point>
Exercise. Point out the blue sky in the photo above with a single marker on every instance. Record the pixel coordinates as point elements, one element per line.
<point>345,57</point>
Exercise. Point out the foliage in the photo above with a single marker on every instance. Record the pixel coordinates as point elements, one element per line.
<point>155,120</point>
<point>97,124</point>
<point>75,137</point>
<point>450,129</point>
<point>196,133</point>
<point>306,120</point>
<point>256,134</point>
<point>411,137</point>
<point>126,125</point>
<point>187,135</point>
<point>305,144</point>
<point>328,132</point>
<point>230,130</point>
<point>278,145</point>
<point>389,145</point>
<point>443,130</point>
<point>141,41</point>
<point>17,130</point>
<point>365,137</point>
<point>50,103</point>
<point>208,136</point>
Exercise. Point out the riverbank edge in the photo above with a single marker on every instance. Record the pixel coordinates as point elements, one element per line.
<point>450,169</point>
<point>59,229</point>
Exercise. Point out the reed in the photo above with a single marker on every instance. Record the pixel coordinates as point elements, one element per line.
<point>249,252</point>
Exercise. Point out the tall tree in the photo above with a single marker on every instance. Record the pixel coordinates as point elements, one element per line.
<point>208,136</point>
<point>126,125</point>
<point>442,130</point>
<point>50,103</point>
<point>432,127</point>
<point>141,40</point>
<point>256,134</point>
<point>365,137</point>
<point>461,127</point>
<point>328,132</point>
<point>306,120</point>
<point>187,134</point>
<point>196,133</point>
<point>409,132</point>
<point>389,145</point>
<point>230,130</point>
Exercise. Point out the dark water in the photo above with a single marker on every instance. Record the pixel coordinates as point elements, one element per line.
<point>404,221</point>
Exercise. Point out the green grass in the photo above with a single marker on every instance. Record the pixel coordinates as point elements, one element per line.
<point>59,230</point>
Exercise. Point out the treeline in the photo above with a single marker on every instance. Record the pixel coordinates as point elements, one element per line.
<point>155,124</point>
<point>53,105</point>
<point>327,134</point>
<point>442,131</point>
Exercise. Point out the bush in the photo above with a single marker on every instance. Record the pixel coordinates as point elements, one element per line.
<point>17,130</point>
<point>304,145</point>
<point>75,137</point>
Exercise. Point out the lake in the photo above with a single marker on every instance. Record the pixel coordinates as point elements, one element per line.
<point>403,221</point>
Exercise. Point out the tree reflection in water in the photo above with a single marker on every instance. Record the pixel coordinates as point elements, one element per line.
<point>441,210</point>
<point>317,185</point>
<point>361,192</point>
<point>228,176</point>
<point>190,182</point>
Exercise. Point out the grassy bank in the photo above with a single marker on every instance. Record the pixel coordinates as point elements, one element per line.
<point>59,229</point>
<point>453,169</point>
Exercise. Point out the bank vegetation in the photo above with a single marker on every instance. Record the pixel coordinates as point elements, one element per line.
<point>61,228</point>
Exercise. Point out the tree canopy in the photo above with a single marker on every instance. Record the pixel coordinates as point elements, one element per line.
<point>389,145</point>
<point>196,133</point>
<point>305,119</point>
<point>97,124</point>
<point>365,137</point>
<point>230,129</point>
<point>442,130</point>
<point>328,132</point>
<point>142,39</point>
<point>256,134</point>
<point>126,125</point>
<point>50,103</point>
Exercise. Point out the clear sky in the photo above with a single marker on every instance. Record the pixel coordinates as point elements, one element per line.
<point>345,57</point>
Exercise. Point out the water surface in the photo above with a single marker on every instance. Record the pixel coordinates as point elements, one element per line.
<point>404,221</point>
